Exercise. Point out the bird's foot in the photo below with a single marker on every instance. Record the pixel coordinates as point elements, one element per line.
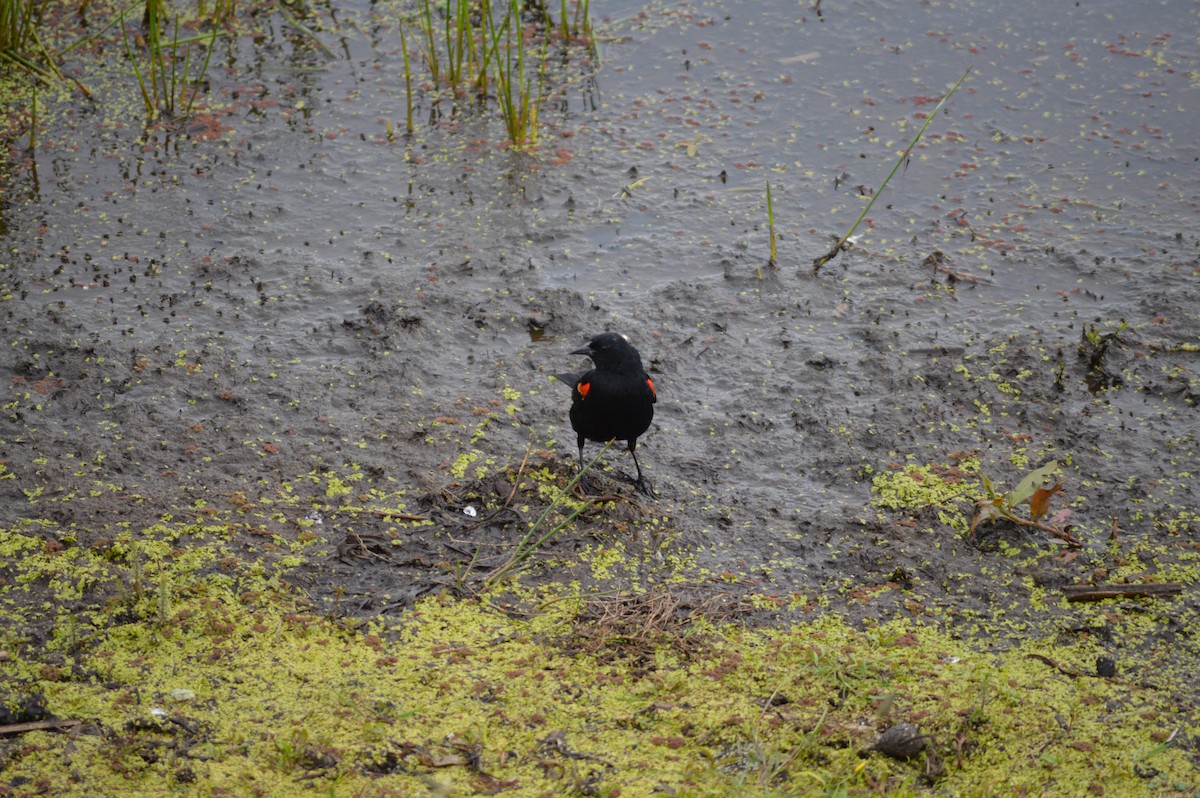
<point>642,486</point>
<point>587,486</point>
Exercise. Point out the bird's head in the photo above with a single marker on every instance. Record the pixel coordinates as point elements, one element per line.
<point>612,351</point>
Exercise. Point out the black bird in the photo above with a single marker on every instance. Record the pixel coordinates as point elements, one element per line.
<point>615,400</point>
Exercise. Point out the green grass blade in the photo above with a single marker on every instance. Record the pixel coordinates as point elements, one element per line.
<point>524,547</point>
<point>771,223</point>
<point>137,73</point>
<point>212,40</point>
<point>841,244</point>
<point>407,81</point>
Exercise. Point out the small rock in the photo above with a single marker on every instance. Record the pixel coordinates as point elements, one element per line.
<point>1106,667</point>
<point>901,741</point>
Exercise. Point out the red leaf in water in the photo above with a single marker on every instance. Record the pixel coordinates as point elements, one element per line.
<point>206,127</point>
<point>46,385</point>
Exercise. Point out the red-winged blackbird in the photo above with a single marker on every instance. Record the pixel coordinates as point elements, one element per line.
<point>615,400</point>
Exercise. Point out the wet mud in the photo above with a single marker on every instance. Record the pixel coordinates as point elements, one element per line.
<point>764,451</point>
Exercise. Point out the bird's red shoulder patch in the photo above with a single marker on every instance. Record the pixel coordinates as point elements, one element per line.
<point>583,388</point>
<point>653,392</point>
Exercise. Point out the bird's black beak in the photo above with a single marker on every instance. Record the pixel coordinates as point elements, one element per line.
<point>586,350</point>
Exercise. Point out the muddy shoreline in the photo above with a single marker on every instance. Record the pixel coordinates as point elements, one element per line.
<point>283,358</point>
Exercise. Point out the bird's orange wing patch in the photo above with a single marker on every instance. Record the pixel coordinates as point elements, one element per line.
<point>583,388</point>
<point>653,392</point>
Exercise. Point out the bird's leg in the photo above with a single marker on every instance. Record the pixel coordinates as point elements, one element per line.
<point>585,484</point>
<point>641,484</point>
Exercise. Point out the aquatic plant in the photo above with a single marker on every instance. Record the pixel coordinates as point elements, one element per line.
<point>475,48</point>
<point>514,86</point>
<point>17,23</point>
<point>19,41</point>
<point>459,59</point>
<point>165,79</point>
<point>579,24</point>
<point>425,24</point>
<point>222,10</point>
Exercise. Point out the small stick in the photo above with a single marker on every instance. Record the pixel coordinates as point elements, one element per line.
<point>394,515</point>
<point>1067,537</point>
<point>1102,592</point>
<point>1058,666</point>
<point>39,725</point>
<point>936,261</point>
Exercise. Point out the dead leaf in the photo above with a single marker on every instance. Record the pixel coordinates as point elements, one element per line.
<point>984,512</point>
<point>1032,480</point>
<point>1039,502</point>
<point>1060,519</point>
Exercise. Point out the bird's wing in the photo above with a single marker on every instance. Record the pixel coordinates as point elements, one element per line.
<point>567,379</point>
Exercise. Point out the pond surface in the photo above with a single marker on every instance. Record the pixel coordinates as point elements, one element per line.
<point>279,287</point>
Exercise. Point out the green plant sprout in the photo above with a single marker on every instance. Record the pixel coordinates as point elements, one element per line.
<point>771,260</point>
<point>996,506</point>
